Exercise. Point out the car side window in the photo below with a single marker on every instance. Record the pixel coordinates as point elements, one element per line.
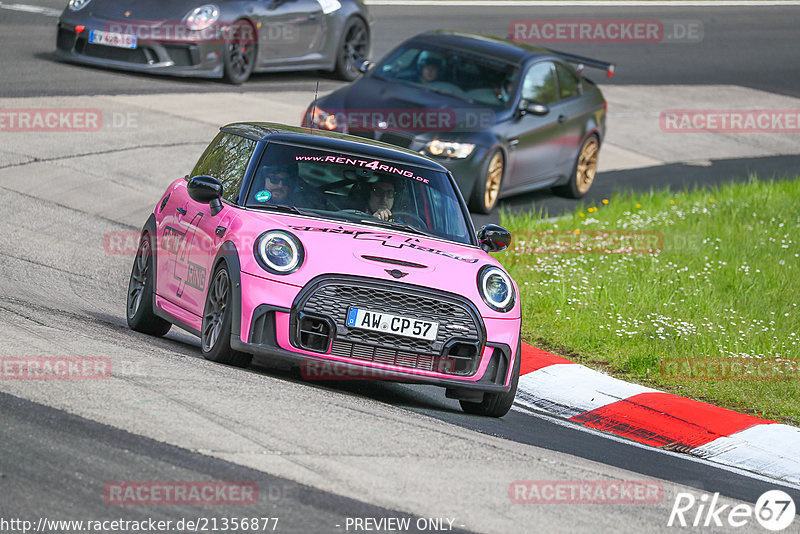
<point>208,159</point>
<point>539,84</point>
<point>568,84</point>
<point>226,160</point>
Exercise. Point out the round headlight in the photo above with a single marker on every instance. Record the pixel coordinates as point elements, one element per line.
<point>202,17</point>
<point>496,288</point>
<point>77,5</point>
<point>436,147</point>
<point>279,252</point>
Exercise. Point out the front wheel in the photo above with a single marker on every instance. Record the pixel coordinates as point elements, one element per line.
<point>487,188</point>
<point>215,334</point>
<point>140,315</point>
<point>584,171</point>
<point>239,53</point>
<point>353,50</point>
<point>496,404</point>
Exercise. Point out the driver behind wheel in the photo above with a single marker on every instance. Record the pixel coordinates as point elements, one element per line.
<point>381,200</point>
<point>431,70</point>
<point>375,198</point>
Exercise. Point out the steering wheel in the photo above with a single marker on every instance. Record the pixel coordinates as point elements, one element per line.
<point>412,219</point>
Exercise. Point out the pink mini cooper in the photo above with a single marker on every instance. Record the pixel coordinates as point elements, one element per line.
<point>331,251</point>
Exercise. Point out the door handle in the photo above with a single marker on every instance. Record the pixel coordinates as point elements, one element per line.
<point>562,118</point>
<point>182,211</point>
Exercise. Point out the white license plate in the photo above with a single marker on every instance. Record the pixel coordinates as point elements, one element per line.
<point>120,40</point>
<point>391,324</point>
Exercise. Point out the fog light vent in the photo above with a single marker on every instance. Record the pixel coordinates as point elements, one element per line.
<point>459,357</point>
<point>314,332</point>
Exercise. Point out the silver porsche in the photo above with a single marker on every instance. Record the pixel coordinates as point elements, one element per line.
<point>228,39</point>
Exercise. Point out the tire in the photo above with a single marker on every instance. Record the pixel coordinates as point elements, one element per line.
<point>215,334</point>
<point>487,187</point>
<point>239,52</point>
<point>583,172</point>
<point>496,404</point>
<point>139,304</point>
<point>353,48</point>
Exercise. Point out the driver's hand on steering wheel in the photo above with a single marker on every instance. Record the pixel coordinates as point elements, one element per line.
<point>383,214</point>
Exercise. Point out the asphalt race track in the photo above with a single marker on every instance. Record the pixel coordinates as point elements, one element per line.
<point>322,453</point>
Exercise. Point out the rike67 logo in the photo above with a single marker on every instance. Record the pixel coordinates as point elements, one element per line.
<point>774,510</point>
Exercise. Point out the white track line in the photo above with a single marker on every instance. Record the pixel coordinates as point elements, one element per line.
<point>580,428</point>
<point>31,9</point>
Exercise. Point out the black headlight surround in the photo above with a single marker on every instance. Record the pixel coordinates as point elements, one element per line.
<point>301,253</point>
<point>481,274</point>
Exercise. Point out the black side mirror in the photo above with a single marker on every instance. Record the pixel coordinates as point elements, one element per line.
<point>534,108</point>
<point>494,238</point>
<point>206,190</point>
<point>363,66</point>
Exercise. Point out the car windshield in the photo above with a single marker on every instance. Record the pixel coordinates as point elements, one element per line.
<point>356,188</point>
<point>469,77</point>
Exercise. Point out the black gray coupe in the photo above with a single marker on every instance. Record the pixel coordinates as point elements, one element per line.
<point>222,38</point>
<point>503,117</point>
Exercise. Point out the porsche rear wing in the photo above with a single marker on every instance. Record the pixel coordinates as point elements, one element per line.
<point>580,62</point>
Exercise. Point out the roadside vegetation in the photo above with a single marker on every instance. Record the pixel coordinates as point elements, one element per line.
<point>693,292</point>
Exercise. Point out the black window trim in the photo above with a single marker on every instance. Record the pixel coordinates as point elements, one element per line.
<point>258,153</point>
<point>566,67</point>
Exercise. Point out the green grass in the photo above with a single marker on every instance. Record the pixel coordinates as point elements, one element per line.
<point>724,286</point>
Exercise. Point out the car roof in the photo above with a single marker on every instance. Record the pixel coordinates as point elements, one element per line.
<point>333,141</point>
<point>479,43</point>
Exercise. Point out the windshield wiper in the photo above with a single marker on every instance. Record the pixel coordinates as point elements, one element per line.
<point>287,209</point>
<point>397,225</point>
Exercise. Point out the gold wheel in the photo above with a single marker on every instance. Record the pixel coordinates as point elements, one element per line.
<point>587,165</point>
<point>494,177</point>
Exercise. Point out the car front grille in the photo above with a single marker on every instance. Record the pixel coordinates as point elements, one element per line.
<point>360,351</point>
<point>182,55</point>
<point>459,323</point>
<point>137,55</point>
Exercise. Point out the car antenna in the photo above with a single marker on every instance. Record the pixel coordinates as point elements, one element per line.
<point>313,109</point>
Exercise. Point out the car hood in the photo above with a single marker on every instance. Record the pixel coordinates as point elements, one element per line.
<point>359,250</point>
<point>371,93</point>
<point>142,11</point>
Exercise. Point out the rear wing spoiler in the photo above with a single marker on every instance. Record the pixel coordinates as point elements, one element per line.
<point>580,62</point>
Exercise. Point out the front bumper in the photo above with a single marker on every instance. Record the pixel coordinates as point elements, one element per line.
<point>180,58</point>
<point>272,332</point>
